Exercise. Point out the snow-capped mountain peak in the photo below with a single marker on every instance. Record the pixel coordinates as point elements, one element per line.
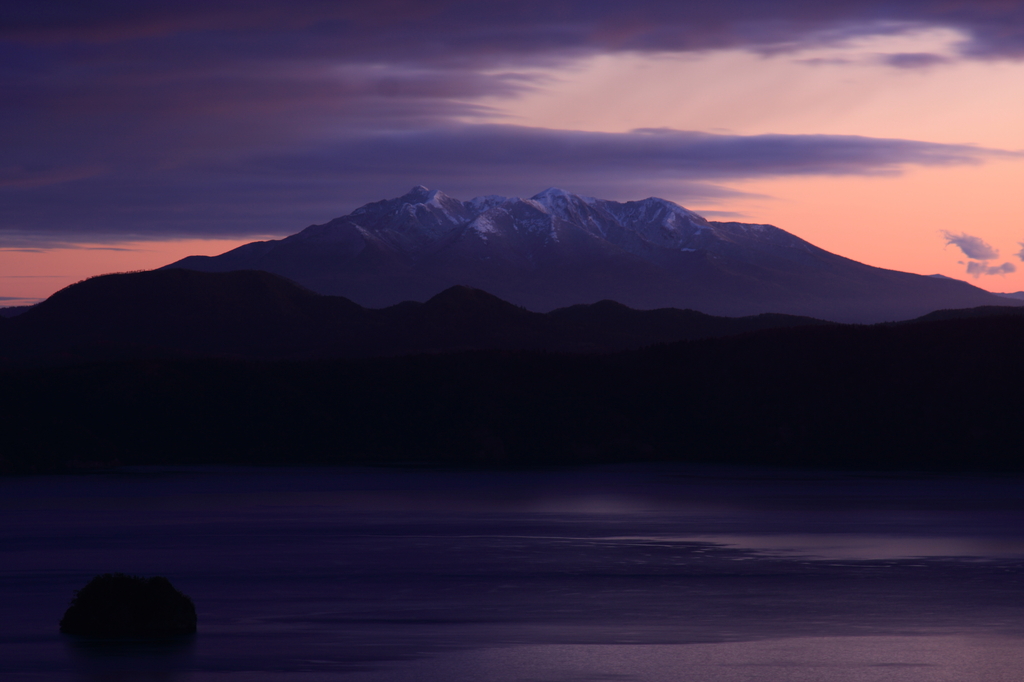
<point>559,202</point>
<point>558,248</point>
<point>554,195</point>
<point>480,204</point>
<point>423,217</point>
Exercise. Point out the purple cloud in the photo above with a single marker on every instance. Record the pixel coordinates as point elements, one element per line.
<point>914,60</point>
<point>217,118</point>
<point>973,247</point>
<point>976,269</point>
<point>269,190</point>
<point>450,30</point>
<point>662,153</point>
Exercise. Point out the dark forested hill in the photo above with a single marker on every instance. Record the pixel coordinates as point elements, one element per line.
<point>253,314</point>
<point>939,394</point>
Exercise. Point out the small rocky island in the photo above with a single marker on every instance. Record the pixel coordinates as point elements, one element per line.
<point>119,605</point>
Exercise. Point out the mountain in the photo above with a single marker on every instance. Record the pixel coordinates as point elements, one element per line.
<point>933,394</point>
<point>557,249</point>
<point>259,315</point>
<point>176,312</point>
<point>13,311</point>
<point>1018,295</point>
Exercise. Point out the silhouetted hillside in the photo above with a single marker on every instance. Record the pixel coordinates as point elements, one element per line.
<point>981,311</point>
<point>1017,295</point>
<point>13,311</point>
<point>143,314</point>
<point>663,325</point>
<point>929,395</point>
<point>252,314</point>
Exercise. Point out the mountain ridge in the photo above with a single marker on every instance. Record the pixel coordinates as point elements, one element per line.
<point>258,315</point>
<point>558,249</point>
<point>185,367</point>
<point>896,396</point>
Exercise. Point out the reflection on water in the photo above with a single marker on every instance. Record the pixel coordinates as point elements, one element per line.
<point>157,659</point>
<point>801,659</point>
<point>862,546</point>
<point>597,574</point>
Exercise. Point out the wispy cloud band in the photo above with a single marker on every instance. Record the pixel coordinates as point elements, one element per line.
<point>175,118</point>
<point>454,30</point>
<point>240,192</point>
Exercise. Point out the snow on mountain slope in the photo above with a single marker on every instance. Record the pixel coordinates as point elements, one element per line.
<point>556,249</point>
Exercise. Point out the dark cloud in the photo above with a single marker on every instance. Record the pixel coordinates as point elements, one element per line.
<point>973,247</point>
<point>461,29</point>
<point>505,150</point>
<point>914,60</point>
<point>136,118</point>
<point>976,269</point>
<point>819,61</point>
<point>28,176</point>
<point>63,120</point>
<point>268,191</point>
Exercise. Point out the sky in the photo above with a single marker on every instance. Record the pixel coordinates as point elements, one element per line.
<point>135,133</point>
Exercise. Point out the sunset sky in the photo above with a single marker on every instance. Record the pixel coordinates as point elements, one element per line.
<point>135,133</point>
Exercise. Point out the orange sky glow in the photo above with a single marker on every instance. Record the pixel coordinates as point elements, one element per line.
<point>894,220</point>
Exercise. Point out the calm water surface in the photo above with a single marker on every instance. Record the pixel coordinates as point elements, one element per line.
<point>608,574</point>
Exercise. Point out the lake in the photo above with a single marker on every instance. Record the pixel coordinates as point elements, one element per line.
<point>651,573</point>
